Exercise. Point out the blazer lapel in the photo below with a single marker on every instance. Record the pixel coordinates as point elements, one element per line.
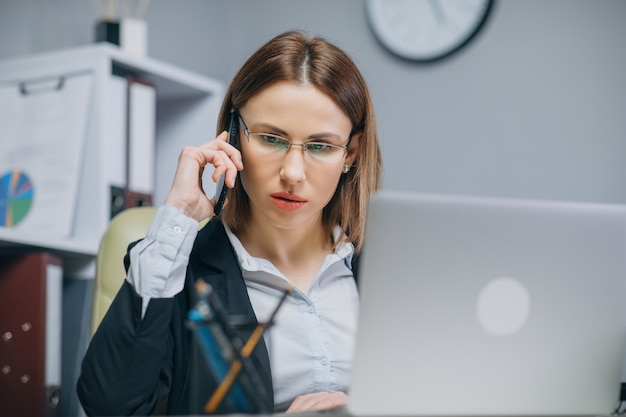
<point>215,262</point>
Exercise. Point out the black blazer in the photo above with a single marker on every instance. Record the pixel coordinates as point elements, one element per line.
<point>133,366</point>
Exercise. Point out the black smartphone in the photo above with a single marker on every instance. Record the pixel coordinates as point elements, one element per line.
<point>221,189</point>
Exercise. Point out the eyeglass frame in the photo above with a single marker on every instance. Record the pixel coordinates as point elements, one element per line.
<point>302,146</point>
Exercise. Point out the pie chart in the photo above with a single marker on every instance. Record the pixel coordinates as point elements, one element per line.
<point>16,197</point>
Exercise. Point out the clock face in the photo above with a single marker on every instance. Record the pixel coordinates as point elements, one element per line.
<point>426,30</point>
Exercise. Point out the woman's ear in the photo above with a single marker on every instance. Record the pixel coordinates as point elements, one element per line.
<point>353,148</point>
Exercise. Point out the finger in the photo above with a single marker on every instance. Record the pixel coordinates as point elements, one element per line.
<point>224,158</point>
<point>233,153</point>
<point>227,165</point>
<point>224,166</point>
<point>334,400</point>
<point>220,143</point>
<point>298,402</point>
<point>319,401</point>
<point>219,147</point>
<point>303,404</point>
<point>223,136</point>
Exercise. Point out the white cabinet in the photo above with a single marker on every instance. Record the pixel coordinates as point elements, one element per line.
<point>187,105</point>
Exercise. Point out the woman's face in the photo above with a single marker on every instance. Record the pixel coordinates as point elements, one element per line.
<point>290,190</point>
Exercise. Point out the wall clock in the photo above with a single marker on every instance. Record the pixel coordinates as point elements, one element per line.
<point>426,30</point>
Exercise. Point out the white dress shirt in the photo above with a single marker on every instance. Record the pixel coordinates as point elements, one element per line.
<point>312,340</point>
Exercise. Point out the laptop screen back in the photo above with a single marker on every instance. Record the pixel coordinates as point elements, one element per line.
<point>488,306</point>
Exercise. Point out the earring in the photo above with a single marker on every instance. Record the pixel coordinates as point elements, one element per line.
<point>346,168</point>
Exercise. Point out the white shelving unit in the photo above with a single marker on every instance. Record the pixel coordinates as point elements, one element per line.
<point>187,105</point>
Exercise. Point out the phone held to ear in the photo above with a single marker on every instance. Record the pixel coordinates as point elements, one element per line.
<point>221,189</point>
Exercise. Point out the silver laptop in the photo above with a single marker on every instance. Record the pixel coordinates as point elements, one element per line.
<point>475,306</point>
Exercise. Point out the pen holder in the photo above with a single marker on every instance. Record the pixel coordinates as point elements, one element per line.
<point>221,358</point>
<point>129,34</point>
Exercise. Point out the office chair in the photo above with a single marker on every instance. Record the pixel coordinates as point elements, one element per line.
<point>126,227</point>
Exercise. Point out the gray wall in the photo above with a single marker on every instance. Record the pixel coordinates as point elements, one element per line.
<point>535,107</point>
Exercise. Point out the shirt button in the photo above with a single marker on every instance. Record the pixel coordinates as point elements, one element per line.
<point>177,229</point>
<point>324,361</point>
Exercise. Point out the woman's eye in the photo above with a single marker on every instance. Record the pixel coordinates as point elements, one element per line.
<point>272,140</point>
<point>318,147</point>
<point>268,138</point>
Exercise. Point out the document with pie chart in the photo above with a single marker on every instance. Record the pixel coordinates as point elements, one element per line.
<point>42,125</point>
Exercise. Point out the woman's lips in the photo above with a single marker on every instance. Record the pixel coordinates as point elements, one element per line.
<point>287,201</point>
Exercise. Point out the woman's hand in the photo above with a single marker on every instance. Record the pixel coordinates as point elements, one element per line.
<point>319,401</point>
<point>186,192</point>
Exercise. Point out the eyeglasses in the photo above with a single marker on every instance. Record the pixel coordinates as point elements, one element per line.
<point>277,146</point>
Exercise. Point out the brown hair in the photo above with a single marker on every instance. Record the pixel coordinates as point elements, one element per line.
<point>294,57</point>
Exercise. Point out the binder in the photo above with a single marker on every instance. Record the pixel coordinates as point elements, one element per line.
<point>30,334</point>
<point>114,115</point>
<point>44,125</point>
<point>141,131</point>
<point>131,141</point>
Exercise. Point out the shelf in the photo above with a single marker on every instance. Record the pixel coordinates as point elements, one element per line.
<point>187,105</point>
<point>80,247</point>
<point>172,82</point>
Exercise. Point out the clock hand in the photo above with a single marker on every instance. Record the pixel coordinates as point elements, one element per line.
<point>437,11</point>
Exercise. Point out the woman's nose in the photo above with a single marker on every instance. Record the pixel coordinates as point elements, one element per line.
<point>293,166</point>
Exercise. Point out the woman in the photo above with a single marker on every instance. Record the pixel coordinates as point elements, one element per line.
<point>301,173</point>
